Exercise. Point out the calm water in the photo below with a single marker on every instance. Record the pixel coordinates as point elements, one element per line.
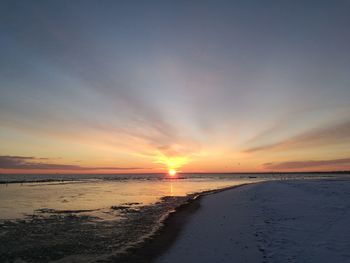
<point>96,194</point>
<point>53,217</point>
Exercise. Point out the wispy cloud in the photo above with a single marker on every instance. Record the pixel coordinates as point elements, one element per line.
<point>321,136</point>
<point>150,82</point>
<point>28,162</point>
<point>307,164</point>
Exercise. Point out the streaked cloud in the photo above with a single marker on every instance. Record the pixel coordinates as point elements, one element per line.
<point>337,133</point>
<point>171,83</point>
<point>300,165</point>
<point>26,162</point>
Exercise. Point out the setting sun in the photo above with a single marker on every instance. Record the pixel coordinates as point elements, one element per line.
<point>172,163</point>
<point>172,172</point>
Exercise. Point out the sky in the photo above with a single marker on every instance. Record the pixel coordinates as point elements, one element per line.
<point>195,86</point>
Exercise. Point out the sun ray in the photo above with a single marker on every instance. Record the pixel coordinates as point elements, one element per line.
<point>172,163</point>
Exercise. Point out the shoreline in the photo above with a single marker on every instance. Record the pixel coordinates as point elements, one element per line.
<point>246,222</point>
<point>274,221</point>
<point>161,240</point>
<point>83,237</point>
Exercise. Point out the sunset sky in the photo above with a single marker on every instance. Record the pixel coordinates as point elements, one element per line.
<point>196,86</point>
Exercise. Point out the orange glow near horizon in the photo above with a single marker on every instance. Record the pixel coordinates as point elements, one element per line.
<point>172,163</point>
<point>207,161</point>
<point>106,95</point>
<point>172,172</point>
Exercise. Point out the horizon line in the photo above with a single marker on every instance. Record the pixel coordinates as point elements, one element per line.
<point>270,172</point>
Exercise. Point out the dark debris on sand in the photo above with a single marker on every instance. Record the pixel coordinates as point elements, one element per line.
<point>51,235</point>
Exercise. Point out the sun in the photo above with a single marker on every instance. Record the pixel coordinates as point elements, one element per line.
<point>172,172</point>
<point>172,163</point>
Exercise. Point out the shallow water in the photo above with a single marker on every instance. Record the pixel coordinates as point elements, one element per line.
<point>21,199</point>
<point>57,217</point>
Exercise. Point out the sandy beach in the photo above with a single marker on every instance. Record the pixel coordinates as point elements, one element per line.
<point>278,221</point>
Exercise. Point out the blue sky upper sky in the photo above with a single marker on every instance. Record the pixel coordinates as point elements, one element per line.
<point>202,85</point>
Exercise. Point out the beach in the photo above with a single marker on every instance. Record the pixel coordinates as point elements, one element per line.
<point>195,218</point>
<point>45,218</point>
<point>174,131</point>
<point>276,221</point>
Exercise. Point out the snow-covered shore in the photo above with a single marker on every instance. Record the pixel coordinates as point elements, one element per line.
<point>278,221</point>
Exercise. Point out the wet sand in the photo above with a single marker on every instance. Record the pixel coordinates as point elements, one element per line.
<point>67,235</point>
<point>274,221</point>
<point>165,237</point>
<point>280,221</point>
